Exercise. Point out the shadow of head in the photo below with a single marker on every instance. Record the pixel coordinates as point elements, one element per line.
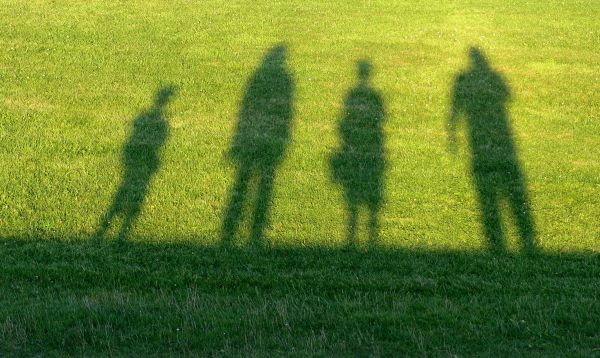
<point>164,95</point>
<point>275,56</point>
<point>478,59</point>
<point>365,68</point>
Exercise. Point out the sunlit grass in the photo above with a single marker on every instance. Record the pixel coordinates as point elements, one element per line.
<point>75,77</point>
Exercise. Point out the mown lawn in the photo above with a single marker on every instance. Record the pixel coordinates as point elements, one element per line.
<point>303,178</point>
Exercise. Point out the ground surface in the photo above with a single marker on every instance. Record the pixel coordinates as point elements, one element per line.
<point>281,177</point>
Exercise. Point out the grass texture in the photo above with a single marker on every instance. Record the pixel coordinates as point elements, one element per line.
<point>299,178</point>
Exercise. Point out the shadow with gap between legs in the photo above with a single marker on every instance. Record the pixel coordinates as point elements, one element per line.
<point>359,164</point>
<point>259,145</point>
<point>480,94</point>
<point>141,161</point>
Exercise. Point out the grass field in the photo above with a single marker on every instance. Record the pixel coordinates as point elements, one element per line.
<point>300,178</point>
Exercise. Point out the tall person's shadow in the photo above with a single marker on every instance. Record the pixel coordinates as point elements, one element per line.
<point>141,160</point>
<point>259,144</point>
<point>360,162</point>
<point>481,94</point>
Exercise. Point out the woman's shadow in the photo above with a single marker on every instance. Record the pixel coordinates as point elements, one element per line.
<point>259,144</point>
<point>359,164</point>
<point>141,160</point>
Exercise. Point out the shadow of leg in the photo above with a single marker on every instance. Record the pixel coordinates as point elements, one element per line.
<point>490,212</point>
<point>128,222</point>
<point>352,223</point>
<point>373,225</point>
<point>522,212</point>
<point>110,215</point>
<point>103,227</point>
<point>234,207</point>
<point>262,206</point>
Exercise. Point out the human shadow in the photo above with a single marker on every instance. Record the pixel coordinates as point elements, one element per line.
<point>141,160</point>
<point>359,164</point>
<point>480,94</point>
<point>259,144</point>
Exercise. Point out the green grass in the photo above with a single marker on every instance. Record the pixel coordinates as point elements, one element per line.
<point>76,78</point>
<point>77,298</point>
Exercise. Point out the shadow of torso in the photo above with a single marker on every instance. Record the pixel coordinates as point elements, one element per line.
<point>360,164</point>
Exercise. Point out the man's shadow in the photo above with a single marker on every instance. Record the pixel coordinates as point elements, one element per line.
<point>481,94</point>
<point>141,160</point>
<point>360,162</point>
<point>259,144</point>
